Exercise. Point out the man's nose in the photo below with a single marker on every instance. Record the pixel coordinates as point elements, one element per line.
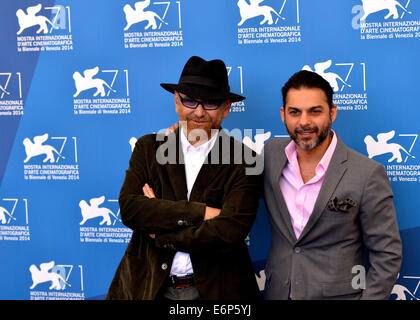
<point>305,119</point>
<point>199,111</point>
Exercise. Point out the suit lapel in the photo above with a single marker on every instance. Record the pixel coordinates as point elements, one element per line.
<point>176,170</point>
<point>280,162</point>
<point>335,172</point>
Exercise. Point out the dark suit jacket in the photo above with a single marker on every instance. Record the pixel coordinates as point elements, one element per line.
<point>319,265</point>
<point>219,255</point>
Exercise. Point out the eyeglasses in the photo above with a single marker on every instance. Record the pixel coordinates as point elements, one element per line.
<point>207,105</point>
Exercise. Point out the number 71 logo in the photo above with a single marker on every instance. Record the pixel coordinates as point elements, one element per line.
<point>7,212</point>
<point>4,85</point>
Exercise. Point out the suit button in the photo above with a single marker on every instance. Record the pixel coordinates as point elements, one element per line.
<point>286,282</point>
<point>164,266</point>
<point>180,222</point>
<point>297,250</point>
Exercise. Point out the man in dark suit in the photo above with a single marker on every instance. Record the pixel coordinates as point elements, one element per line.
<point>189,201</point>
<point>328,206</point>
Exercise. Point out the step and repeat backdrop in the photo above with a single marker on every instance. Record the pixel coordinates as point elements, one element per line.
<point>79,83</point>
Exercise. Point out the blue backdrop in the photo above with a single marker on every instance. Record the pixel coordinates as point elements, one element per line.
<point>80,79</point>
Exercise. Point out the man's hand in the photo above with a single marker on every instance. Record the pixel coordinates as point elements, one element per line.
<point>148,192</point>
<point>211,213</point>
<point>171,129</point>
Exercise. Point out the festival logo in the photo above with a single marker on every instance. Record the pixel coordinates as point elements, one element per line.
<point>86,82</point>
<point>400,292</point>
<point>96,92</point>
<point>132,143</point>
<point>261,277</point>
<point>253,9</point>
<point>50,158</point>
<point>333,78</point>
<point>11,102</point>
<point>37,148</point>
<point>14,219</point>
<point>348,81</point>
<point>269,22</point>
<point>385,19</point>
<point>101,222</point>
<point>372,6</point>
<point>236,79</point>
<point>136,15</point>
<point>397,154</point>
<point>382,146</point>
<point>92,211</point>
<point>248,240</point>
<point>37,32</point>
<point>56,282</point>
<point>153,24</point>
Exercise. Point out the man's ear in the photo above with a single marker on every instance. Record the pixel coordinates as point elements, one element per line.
<point>176,102</point>
<point>333,113</point>
<point>282,114</point>
<point>227,104</point>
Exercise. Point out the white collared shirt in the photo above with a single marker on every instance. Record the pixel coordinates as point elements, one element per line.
<point>194,158</point>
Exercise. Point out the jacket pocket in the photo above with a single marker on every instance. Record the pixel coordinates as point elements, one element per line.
<point>339,288</point>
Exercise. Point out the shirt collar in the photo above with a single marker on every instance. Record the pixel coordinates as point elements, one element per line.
<point>188,147</point>
<point>322,166</point>
<point>325,161</point>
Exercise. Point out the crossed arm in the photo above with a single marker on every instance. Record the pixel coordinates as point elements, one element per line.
<point>141,210</point>
<point>182,224</point>
<point>210,212</point>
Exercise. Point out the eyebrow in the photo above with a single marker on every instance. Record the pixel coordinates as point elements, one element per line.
<point>297,108</point>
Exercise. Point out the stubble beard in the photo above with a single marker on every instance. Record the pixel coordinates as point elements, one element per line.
<point>321,135</point>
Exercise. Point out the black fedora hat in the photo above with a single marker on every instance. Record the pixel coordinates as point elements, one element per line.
<point>203,79</point>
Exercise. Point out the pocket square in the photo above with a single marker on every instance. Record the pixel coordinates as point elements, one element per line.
<point>341,205</point>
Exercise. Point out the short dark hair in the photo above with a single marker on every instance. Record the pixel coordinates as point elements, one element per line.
<point>308,79</point>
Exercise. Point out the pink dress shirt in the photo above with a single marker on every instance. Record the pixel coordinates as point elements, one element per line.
<point>301,197</point>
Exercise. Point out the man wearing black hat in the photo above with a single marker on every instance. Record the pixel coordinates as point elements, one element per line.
<point>189,201</point>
